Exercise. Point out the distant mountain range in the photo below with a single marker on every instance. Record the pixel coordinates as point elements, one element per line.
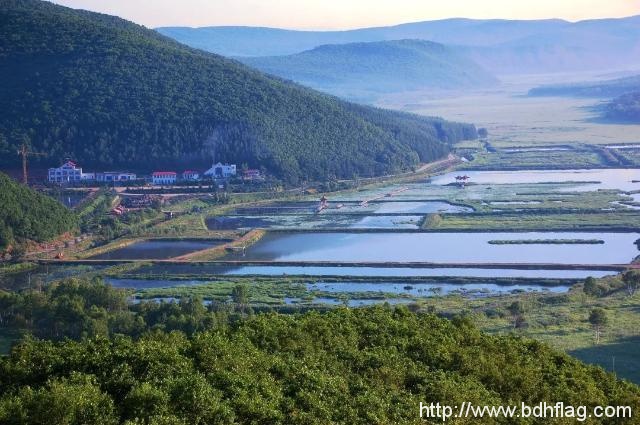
<point>357,70</point>
<point>110,93</point>
<point>500,46</point>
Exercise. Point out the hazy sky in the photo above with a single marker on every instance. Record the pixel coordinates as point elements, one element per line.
<point>342,14</point>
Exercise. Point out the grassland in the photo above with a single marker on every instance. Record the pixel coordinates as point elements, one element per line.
<point>9,268</point>
<point>577,157</point>
<point>514,119</point>
<point>562,322</point>
<point>521,221</point>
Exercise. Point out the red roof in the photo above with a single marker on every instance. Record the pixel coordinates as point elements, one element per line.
<point>164,173</point>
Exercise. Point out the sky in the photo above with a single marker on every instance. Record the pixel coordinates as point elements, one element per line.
<point>345,14</point>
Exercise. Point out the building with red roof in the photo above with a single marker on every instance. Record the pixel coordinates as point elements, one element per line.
<point>164,177</point>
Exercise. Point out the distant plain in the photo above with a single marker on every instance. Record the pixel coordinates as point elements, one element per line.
<point>514,119</point>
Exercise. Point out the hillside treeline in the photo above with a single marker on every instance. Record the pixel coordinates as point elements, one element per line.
<point>223,365</point>
<point>110,93</point>
<point>28,215</point>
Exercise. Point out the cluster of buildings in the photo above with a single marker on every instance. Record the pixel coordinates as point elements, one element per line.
<point>70,172</point>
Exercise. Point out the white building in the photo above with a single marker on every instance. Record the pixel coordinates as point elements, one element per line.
<point>163,177</point>
<point>190,175</point>
<point>68,172</point>
<point>221,171</point>
<point>114,176</point>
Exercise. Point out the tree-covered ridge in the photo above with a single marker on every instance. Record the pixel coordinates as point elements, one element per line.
<point>358,366</point>
<point>625,108</point>
<point>603,89</point>
<point>357,70</point>
<point>26,214</point>
<point>111,93</point>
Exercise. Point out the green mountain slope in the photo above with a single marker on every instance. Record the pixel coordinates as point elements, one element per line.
<point>110,93</point>
<point>26,214</point>
<point>377,67</point>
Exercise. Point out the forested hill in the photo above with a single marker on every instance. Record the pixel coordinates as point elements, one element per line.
<point>358,70</point>
<point>601,89</point>
<point>110,93</point>
<point>625,108</point>
<point>26,214</point>
<point>348,366</point>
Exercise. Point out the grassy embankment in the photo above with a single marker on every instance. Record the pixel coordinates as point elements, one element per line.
<point>8,268</point>
<point>546,242</point>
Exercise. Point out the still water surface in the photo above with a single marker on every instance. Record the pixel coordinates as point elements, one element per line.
<point>619,178</point>
<point>157,249</point>
<point>618,248</point>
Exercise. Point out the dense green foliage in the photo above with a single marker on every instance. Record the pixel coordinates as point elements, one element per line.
<point>606,88</point>
<point>359,366</point>
<point>360,69</point>
<point>625,108</point>
<point>26,214</point>
<point>111,93</point>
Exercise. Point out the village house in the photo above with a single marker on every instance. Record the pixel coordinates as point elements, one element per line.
<point>190,175</point>
<point>164,177</point>
<point>251,174</point>
<point>68,172</point>
<point>221,171</point>
<point>114,176</point>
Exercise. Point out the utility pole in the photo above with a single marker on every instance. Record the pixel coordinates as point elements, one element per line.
<point>24,152</point>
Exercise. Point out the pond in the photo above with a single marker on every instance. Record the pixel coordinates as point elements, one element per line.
<point>194,270</point>
<point>236,222</point>
<point>150,283</point>
<point>535,149</point>
<point>413,289</point>
<point>420,290</point>
<point>158,249</point>
<point>417,207</point>
<point>388,222</point>
<point>315,221</point>
<point>621,179</point>
<point>360,302</point>
<point>410,272</point>
<point>455,247</point>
